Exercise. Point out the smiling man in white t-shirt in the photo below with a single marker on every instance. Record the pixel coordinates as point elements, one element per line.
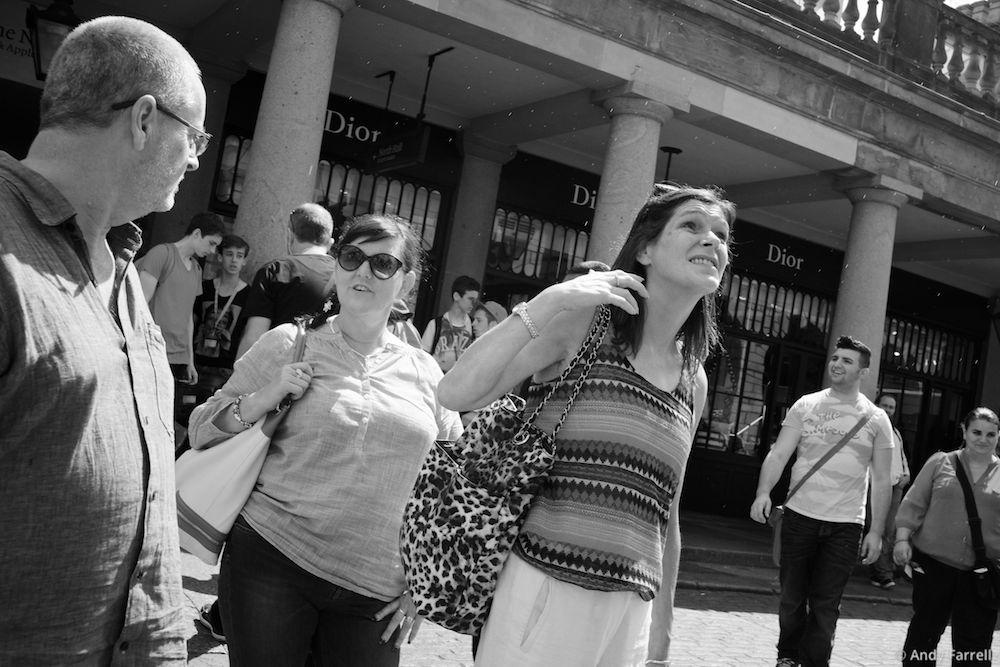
<point>824,519</point>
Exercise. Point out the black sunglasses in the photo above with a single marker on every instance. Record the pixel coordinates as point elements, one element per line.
<point>383,265</point>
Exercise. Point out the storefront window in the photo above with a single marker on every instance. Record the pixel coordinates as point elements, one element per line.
<point>928,351</point>
<point>772,310</point>
<point>535,248</point>
<point>232,169</point>
<point>351,190</point>
<point>734,414</point>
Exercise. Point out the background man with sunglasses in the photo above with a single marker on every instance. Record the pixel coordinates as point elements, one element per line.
<point>89,553</point>
<point>295,284</point>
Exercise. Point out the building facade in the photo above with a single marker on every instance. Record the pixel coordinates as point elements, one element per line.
<point>859,142</point>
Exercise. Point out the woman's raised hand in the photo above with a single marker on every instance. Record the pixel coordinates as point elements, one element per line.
<point>293,380</point>
<point>616,288</point>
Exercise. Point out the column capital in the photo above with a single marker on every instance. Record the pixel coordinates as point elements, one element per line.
<point>476,145</point>
<point>341,6</point>
<point>878,188</point>
<point>638,106</point>
<point>641,99</point>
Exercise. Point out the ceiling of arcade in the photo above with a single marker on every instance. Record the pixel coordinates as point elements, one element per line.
<point>539,99</point>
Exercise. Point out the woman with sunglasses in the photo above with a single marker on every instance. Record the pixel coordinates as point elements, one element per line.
<point>313,562</point>
<point>590,581</point>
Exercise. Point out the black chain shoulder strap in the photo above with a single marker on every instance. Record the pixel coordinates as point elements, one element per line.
<point>584,358</point>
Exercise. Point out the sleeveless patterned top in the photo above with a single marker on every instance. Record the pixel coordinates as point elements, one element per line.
<point>600,520</point>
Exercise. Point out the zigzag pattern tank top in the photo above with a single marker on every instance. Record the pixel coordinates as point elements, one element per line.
<point>600,520</point>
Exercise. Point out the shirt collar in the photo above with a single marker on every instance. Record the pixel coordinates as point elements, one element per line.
<point>52,209</point>
<point>391,344</point>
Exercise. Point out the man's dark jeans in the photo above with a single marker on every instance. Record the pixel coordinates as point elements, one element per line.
<point>817,558</point>
<point>275,612</point>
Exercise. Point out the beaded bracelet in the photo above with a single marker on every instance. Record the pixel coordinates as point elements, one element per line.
<point>237,414</point>
<point>521,310</point>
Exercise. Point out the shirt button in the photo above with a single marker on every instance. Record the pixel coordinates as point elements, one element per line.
<point>139,574</point>
<point>123,647</point>
<point>145,421</point>
<point>152,496</point>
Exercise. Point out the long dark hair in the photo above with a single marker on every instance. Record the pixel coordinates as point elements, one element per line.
<point>373,227</point>
<point>699,334</point>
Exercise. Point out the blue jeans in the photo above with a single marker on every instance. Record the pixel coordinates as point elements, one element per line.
<point>942,593</point>
<point>275,612</point>
<point>817,558</point>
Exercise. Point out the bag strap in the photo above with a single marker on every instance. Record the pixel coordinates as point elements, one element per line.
<point>585,357</point>
<point>975,523</point>
<point>298,351</point>
<point>833,450</point>
<point>438,321</point>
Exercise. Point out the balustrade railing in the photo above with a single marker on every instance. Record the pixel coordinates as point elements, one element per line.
<point>952,51</point>
<point>844,16</point>
<point>966,51</point>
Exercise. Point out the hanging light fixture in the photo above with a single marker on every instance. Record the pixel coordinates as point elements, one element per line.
<point>47,28</point>
<point>671,151</point>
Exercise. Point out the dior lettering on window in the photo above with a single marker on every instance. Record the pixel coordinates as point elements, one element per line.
<point>583,196</point>
<point>337,123</point>
<point>778,255</point>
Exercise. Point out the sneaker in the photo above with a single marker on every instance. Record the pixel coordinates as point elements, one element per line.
<point>211,621</point>
<point>884,584</point>
<point>787,662</point>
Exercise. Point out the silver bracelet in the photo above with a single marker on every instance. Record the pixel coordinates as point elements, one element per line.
<point>521,310</point>
<point>237,414</point>
<point>658,662</point>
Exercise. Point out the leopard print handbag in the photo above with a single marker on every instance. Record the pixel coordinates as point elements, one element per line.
<point>471,497</point>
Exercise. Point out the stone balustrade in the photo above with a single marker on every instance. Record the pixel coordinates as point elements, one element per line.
<point>954,51</point>
<point>966,49</point>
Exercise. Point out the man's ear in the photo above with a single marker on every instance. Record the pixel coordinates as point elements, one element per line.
<point>196,235</point>
<point>140,117</point>
<point>455,296</point>
<point>864,371</point>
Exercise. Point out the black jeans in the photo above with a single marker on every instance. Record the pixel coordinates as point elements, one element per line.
<point>275,612</point>
<point>942,593</point>
<point>817,558</point>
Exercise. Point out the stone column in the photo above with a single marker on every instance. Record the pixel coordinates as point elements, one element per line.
<point>475,208</point>
<point>629,170</point>
<point>864,279</point>
<point>283,159</point>
<point>195,194</point>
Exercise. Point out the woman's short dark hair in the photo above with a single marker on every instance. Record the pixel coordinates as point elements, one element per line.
<point>378,226</point>
<point>985,414</point>
<point>699,334</point>
<point>373,227</point>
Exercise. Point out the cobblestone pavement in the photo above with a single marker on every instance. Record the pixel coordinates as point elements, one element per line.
<point>714,628</point>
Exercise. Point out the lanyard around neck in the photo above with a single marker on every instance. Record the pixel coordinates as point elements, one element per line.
<point>219,316</point>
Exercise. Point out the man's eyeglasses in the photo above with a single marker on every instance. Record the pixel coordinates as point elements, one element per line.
<point>383,265</point>
<point>197,138</point>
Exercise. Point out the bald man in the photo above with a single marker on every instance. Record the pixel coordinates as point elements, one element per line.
<point>89,551</point>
